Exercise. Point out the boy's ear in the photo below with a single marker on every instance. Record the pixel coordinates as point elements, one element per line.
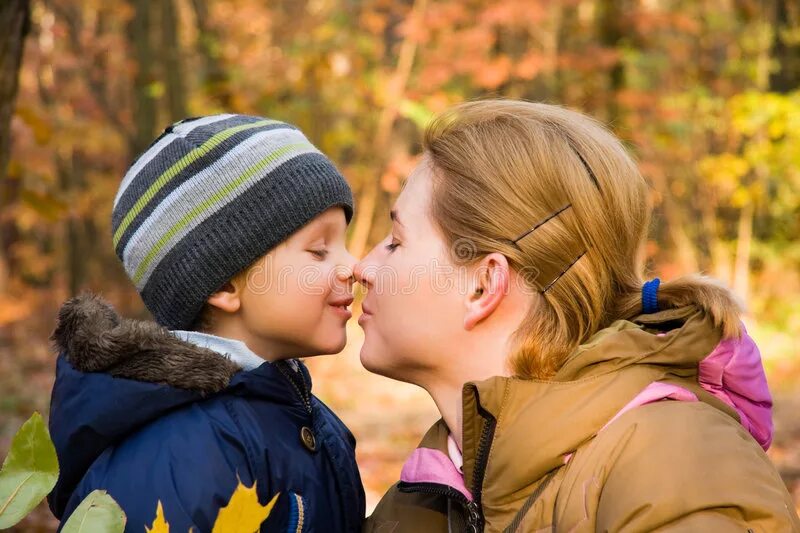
<point>227,298</point>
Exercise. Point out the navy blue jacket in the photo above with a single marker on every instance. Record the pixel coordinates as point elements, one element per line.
<point>145,441</point>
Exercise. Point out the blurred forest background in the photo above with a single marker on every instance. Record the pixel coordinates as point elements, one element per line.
<point>706,93</point>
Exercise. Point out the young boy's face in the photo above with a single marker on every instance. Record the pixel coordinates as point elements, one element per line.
<point>295,300</point>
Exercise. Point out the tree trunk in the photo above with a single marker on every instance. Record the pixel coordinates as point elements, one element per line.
<point>14,24</point>
<point>611,31</point>
<point>368,198</point>
<point>172,66</point>
<point>139,37</point>
<point>215,78</point>
<point>741,277</point>
<point>684,248</point>
<point>719,256</point>
<point>760,174</point>
<point>70,175</point>
<point>785,52</point>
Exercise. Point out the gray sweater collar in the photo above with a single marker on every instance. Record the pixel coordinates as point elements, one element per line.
<point>233,349</point>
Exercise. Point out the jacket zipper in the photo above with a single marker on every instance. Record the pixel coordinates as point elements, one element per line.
<point>301,388</point>
<point>471,509</point>
<point>481,458</point>
<point>475,519</point>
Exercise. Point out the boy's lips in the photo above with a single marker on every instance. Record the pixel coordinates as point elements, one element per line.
<point>340,306</point>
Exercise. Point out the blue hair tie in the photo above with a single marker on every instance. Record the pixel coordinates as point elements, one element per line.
<point>650,296</point>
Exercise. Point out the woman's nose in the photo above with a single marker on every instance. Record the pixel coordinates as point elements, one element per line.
<point>361,270</point>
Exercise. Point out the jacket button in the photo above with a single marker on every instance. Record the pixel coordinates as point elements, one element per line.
<point>309,441</point>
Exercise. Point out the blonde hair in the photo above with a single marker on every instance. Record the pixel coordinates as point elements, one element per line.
<point>503,167</point>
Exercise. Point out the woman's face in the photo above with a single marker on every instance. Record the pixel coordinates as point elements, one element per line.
<point>413,312</point>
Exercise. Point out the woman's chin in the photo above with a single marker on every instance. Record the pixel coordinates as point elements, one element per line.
<point>376,361</point>
<point>370,360</point>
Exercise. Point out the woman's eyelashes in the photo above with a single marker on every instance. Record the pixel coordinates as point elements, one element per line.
<point>319,254</point>
<point>392,245</point>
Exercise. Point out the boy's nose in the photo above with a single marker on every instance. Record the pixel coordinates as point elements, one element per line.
<point>345,268</point>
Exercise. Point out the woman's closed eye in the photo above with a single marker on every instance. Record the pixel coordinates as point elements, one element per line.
<point>320,254</point>
<point>392,245</point>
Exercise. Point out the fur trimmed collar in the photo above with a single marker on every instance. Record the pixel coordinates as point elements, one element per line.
<point>94,338</point>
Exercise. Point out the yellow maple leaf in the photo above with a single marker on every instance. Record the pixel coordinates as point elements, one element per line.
<point>243,514</point>
<point>160,524</point>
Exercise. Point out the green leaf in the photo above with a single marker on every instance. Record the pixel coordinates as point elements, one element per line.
<point>155,90</point>
<point>29,471</point>
<point>97,512</point>
<point>416,112</point>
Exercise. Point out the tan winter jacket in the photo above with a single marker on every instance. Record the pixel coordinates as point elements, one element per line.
<point>652,425</point>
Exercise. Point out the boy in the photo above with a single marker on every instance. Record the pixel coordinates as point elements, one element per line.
<point>232,229</point>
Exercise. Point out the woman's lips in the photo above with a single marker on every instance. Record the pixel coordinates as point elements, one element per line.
<point>366,313</point>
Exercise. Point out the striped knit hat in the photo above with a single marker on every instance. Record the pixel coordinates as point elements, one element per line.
<point>210,196</point>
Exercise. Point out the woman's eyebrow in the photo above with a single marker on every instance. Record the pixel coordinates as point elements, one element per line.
<point>395,217</point>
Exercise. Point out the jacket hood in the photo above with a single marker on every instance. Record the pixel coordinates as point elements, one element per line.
<point>528,428</point>
<point>549,455</point>
<point>94,338</point>
<point>598,381</point>
<point>114,375</point>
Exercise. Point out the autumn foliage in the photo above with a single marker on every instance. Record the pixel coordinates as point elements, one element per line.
<point>705,94</point>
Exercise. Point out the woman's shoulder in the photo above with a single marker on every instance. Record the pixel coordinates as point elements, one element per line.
<point>690,457</point>
<point>688,431</point>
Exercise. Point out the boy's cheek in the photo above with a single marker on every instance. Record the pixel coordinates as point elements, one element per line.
<point>312,282</point>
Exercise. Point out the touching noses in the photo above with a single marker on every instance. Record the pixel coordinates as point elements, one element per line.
<point>344,267</point>
<point>361,271</point>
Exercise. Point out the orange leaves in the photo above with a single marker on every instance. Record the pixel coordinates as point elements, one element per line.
<point>514,13</point>
<point>494,73</point>
<point>397,170</point>
<point>531,65</point>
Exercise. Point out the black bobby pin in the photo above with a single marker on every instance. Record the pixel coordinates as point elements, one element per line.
<point>585,165</point>
<point>542,223</point>
<point>563,272</point>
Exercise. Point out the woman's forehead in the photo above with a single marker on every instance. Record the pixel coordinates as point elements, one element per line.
<point>413,199</point>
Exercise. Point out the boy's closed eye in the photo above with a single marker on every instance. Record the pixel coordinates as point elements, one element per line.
<point>323,236</point>
<point>321,253</point>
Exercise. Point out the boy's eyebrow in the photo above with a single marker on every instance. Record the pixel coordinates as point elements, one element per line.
<point>395,218</point>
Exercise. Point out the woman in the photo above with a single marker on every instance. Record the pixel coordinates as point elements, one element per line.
<point>510,289</point>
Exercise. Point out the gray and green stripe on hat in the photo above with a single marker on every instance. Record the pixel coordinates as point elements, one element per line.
<point>210,196</point>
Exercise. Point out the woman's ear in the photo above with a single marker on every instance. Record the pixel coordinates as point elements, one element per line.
<point>490,283</point>
<point>227,298</point>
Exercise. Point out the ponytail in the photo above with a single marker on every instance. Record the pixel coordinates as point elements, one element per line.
<point>705,292</point>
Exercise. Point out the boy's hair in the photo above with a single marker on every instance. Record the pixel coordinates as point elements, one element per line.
<point>209,197</point>
<point>203,322</point>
